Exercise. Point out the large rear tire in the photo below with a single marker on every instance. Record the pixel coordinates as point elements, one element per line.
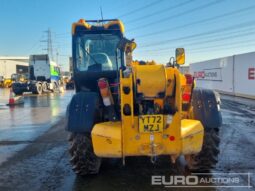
<point>37,89</point>
<point>55,87</point>
<point>83,159</point>
<point>44,87</point>
<point>207,159</point>
<point>206,109</point>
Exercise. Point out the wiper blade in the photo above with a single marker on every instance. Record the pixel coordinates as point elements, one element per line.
<point>85,51</point>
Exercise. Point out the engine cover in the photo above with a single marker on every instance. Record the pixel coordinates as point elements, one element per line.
<point>150,81</point>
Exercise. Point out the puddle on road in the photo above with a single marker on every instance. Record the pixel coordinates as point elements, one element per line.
<point>3,106</point>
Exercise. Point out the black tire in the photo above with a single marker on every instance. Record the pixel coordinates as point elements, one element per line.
<point>83,159</point>
<point>206,107</point>
<point>207,158</point>
<point>37,88</point>
<point>44,87</point>
<point>16,90</point>
<point>55,87</point>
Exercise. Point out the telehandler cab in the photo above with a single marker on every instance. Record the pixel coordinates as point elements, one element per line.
<point>125,108</point>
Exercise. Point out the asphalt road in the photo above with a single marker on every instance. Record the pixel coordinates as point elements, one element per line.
<point>43,163</point>
<point>24,123</point>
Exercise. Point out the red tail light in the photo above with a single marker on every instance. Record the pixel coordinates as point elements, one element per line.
<point>187,89</point>
<point>105,91</point>
<point>186,97</point>
<point>102,83</point>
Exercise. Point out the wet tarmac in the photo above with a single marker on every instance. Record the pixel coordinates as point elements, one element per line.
<point>43,163</point>
<point>21,124</point>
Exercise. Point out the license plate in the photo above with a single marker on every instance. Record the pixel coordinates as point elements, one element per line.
<point>151,123</point>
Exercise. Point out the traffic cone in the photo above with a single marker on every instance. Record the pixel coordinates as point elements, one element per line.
<point>11,97</point>
<point>15,100</point>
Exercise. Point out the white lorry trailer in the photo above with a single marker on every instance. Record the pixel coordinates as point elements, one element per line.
<point>44,76</point>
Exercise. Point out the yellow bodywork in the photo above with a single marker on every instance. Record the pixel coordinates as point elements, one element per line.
<point>7,83</point>
<point>192,134</point>
<point>145,74</point>
<point>140,84</point>
<point>106,26</point>
<point>108,140</point>
<point>123,138</point>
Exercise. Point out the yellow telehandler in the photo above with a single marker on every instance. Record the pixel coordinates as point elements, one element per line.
<point>5,82</point>
<point>124,108</point>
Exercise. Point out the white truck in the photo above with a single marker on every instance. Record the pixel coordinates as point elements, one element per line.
<point>44,76</point>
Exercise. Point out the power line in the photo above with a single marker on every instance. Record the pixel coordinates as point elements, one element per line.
<point>205,42</point>
<point>231,47</point>
<point>224,34</point>
<point>214,50</point>
<point>61,37</point>
<point>222,45</point>
<point>178,14</point>
<point>209,47</point>
<point>251,28</point>
<point>33,46</point>
<point>222,38</point>
<point>198,22</point>
<point>160,11</point>
<point>201,34</point>
<point>60,34</point>
<point>140,8</point>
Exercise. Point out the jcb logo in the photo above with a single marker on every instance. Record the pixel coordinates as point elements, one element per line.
<point>251,73</point>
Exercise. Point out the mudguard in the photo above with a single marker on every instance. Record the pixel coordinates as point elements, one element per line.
<point>82,112</point>
<point>206,107</point>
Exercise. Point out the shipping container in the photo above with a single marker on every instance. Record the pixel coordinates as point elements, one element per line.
<point>232,75</point>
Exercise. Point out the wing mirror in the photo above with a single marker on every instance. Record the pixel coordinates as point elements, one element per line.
<point>180,56</point>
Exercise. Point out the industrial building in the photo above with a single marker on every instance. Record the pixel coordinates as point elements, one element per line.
<point>11,65</point>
